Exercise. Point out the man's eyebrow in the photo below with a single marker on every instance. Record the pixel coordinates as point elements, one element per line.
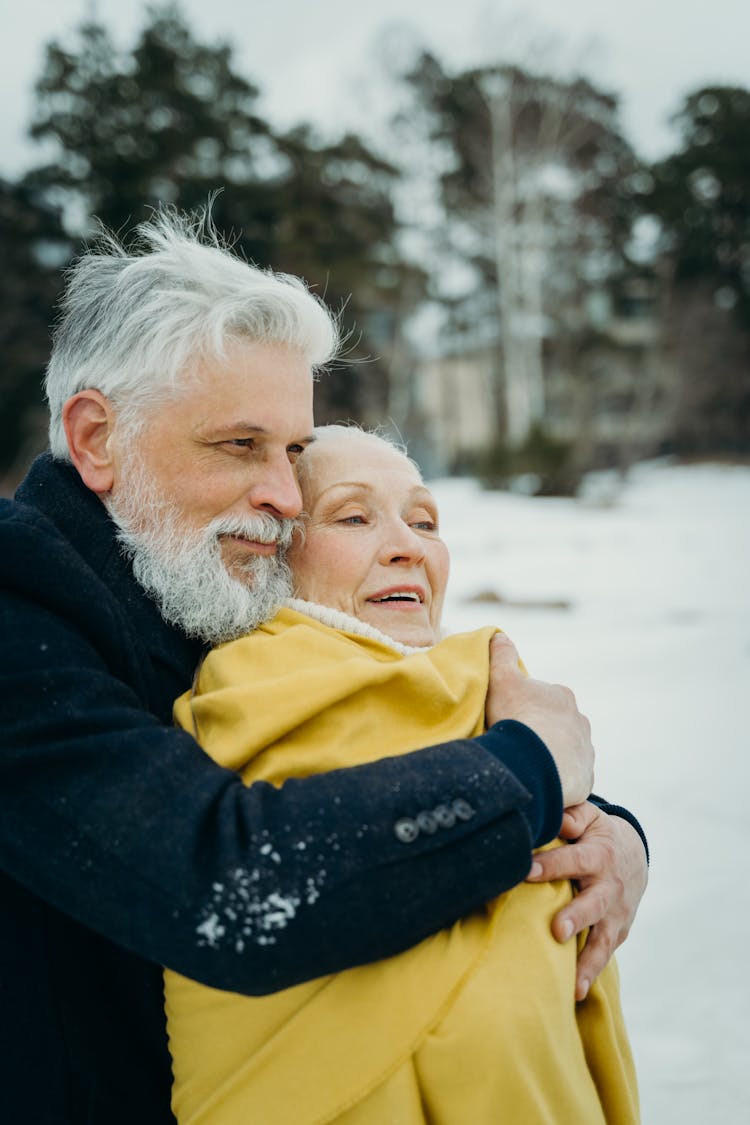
<point>234,427</point>
<point>254,428</point>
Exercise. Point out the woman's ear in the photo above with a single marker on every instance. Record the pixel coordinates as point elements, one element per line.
<point>89,419</point>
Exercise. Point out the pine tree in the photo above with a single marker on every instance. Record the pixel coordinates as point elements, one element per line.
<point>32,248</point>
<point>172,122</point>
<point>701,197</point>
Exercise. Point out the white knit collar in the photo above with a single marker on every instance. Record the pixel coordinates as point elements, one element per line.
<point>337,619</point>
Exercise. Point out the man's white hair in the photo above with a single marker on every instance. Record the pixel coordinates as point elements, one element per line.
<point>135,321</point>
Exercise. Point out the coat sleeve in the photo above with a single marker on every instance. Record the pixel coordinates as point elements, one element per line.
<point>127,826</point>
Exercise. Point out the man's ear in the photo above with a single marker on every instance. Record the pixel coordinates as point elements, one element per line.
<point>89,419</point>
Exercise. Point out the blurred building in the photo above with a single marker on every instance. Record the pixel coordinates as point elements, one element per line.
<point>610,376</point>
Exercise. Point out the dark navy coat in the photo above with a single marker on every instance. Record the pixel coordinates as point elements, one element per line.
<point>123,847</point>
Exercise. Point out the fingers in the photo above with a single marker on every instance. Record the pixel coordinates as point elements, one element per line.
<point>600,945</point>
<point>578,861</point>
<point>608,865</point>
<point>577,819</point>
<point>584,911</point>
<point>588,910</point>
<point>503,653</point>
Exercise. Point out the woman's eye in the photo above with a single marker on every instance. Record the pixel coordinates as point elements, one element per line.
<point>352,520</point>
<point>423,521</point>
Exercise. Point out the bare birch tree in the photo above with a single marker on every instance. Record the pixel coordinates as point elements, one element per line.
<point>539,175</point>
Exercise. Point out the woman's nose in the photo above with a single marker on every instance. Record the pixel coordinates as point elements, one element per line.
<point>403,546</point>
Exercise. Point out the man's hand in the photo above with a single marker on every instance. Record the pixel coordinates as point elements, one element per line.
<point>608,863</point>
<point>550,711</point>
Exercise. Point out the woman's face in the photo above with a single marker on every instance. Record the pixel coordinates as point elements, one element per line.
<point>371,546</point>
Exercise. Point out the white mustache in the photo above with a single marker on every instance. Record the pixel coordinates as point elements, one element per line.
<point>260,529</point>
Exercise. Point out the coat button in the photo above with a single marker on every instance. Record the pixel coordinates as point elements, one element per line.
<point>406,830</point>
<point>462,809</point>
<point>445,817</point>
<point>427,822</point>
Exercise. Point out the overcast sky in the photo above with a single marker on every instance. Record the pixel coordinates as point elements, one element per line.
<point>314,59</point>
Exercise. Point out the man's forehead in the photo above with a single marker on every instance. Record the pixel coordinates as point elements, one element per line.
<point>247,402</point>
<point>247,362</point>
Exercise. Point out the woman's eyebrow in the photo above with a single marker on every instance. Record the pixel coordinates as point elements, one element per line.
<point>418,492</point>
<point>361,486</point>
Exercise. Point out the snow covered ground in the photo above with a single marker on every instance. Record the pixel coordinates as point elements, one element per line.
<point>639,600</point>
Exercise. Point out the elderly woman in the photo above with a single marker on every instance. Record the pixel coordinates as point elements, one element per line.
<point>477,1024</point>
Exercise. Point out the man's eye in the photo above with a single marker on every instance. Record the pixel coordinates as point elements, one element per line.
<point>241,443</point>
<point>352,520</point>
<point>293,451</point>
<point>425,525</point>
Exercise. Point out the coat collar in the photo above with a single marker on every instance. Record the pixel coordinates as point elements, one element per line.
<point>345,623</point>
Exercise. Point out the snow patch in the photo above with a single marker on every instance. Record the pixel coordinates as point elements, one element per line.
<point>252,905</point>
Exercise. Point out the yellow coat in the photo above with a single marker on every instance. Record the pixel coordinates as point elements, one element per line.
<point>475,1025</point>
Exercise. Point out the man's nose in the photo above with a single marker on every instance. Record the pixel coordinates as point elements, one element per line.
<point>276,490</point>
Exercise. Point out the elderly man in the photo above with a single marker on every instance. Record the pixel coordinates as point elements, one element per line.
<point>180,391</point>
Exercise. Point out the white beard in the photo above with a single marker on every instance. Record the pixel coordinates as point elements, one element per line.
<point>182,569</point>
